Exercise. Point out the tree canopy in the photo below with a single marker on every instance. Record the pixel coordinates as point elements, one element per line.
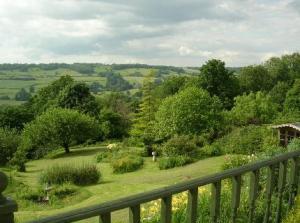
<point>55,128</point>
<point>191,111</point>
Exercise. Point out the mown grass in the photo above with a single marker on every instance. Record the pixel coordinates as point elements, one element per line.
<point>112,186</point>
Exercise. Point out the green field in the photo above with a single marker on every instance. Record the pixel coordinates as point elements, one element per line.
<point>112,186</point>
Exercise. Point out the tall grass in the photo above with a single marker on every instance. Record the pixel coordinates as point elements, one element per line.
<point>78,174</point>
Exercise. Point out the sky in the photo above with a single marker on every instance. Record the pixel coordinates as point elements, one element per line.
<point>159,32</point>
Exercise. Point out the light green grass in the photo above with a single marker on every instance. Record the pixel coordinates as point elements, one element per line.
<point>113,186</point>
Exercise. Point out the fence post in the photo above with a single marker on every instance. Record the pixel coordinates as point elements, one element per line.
<point>7,206</point>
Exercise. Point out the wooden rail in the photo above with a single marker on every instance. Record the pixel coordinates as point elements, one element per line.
<point>285,179</point>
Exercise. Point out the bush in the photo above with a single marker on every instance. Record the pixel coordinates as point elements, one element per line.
<point>104,156</point>
<point>78,174</point>
<point>128,163</point>
<point>237,161</point>
<point>246,140</point>
<point>63,191</point>
<point>175,161</point>
<point>9,141</point>
<point>179,146</point>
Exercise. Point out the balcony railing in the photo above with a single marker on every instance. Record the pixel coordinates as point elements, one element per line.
<point>278,176</point>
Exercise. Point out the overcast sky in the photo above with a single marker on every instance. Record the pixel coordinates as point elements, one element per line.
<point>167,32</point>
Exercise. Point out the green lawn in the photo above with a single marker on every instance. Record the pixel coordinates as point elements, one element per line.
<point>112,186</point>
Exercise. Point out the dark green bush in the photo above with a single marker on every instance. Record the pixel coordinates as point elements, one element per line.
<point>63,191</point>
<point>79,174</point>
<point>127,163</point>
<point>173,161</point>
<point>179,146</point>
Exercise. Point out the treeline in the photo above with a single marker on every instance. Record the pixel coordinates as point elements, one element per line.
<point>178,118</point>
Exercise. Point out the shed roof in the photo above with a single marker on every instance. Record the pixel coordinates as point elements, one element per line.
<point>291,125</point>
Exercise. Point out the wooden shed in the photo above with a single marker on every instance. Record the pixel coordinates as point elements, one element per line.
<point>286,132</point>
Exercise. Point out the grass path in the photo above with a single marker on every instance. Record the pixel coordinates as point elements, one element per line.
<point>114,186</point>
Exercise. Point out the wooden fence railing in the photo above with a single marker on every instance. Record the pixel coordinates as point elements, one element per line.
<point>285,178</point>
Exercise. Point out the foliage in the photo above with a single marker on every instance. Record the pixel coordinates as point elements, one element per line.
<point>47,96</point>
<point>174,161</point>
<point>104,156</point>
<point>15,116</point>
<point>113,124</point>
<point>191,111</point>
<point>77,96</point>
<point>246,140</point>
<point>292,101</point>
<point>95,87</point>
<point>233,161</point>
<point>254,108</point>
<point>9,141</point>
<point>294,215</point>
<point>255,78</point>
<point>78,174</point>
<point>294,145</point>
<point>170,86</point>
<point>127,163</point>
<point>115,82</point>
<point>219,81</point>
<point>22,95</point>
<point>57,127</point>
<point>143,124</point>
<point>179,146</point>
<point>278,93</point>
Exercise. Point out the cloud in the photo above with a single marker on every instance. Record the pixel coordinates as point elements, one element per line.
<point>170,32</point>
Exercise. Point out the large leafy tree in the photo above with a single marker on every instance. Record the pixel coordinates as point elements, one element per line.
<point>255,78</point>
<point>77,96</point>
<point>219,81</point>
<point>191,111</point>
<point>253,108</point>
<point>65,93</point>
<point>55,128</point>
<point>9,141</point>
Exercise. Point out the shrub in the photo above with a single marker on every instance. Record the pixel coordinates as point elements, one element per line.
<point>9,141</point>
<point>234,161</point>
<point>246,140</point>
<point>179,146</point>
<point>127,163</point>
<point>63,191</point>
<point>79,174</point>
<point>175,161</point>
<point>103,156</point>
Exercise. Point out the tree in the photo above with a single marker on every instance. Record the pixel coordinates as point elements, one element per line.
<point>55,128</point>
<point>95,87</point>
<point>47,96</point>
<point>22,95</point>
<point>255,78</point>
<point>254,108</point>
<point>217,80</point>
<point>170,86</point>
<point>191,111</point>
<point>144,121</point>
<point>115,82</point>
<point>278,93</point>
<point>77,96</point>
<point>292,101</point>
<point>15,116</point>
